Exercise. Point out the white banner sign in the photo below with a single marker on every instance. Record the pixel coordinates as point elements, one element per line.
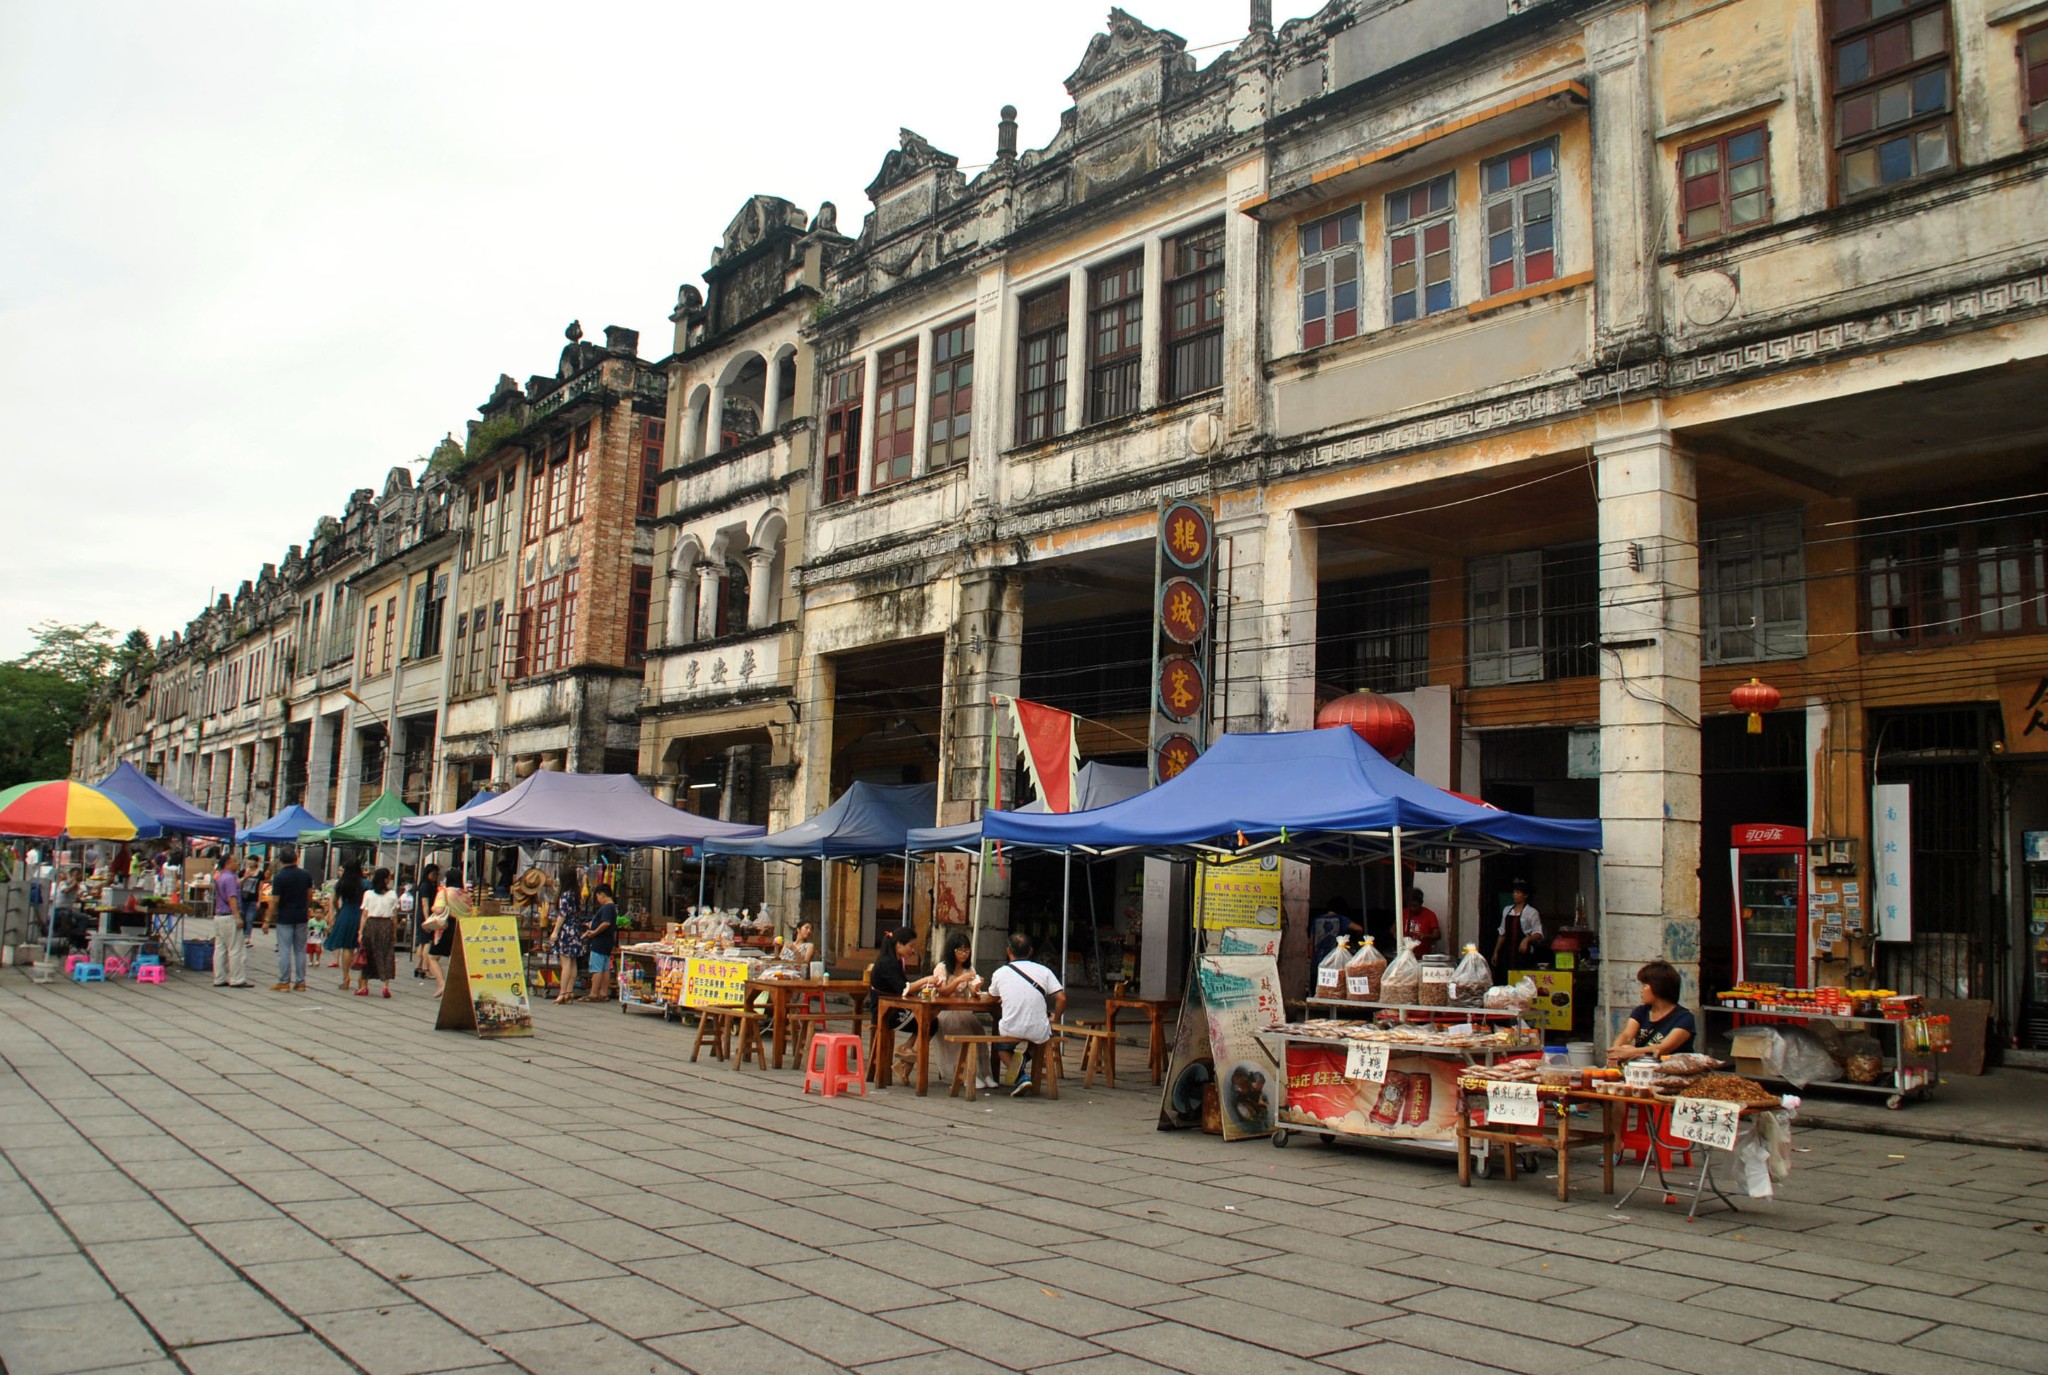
<point>1512,1105</point>
<point>1891,860</point>
<point>1705,1122</point>
<point>1366,1061</point>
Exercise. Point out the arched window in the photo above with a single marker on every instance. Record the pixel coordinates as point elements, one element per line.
<point>732,599</point>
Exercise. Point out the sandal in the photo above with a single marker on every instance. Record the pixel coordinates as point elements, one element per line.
<point>363,992</point>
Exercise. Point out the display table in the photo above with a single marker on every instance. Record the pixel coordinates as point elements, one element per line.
<point>926,1011</point>
<point>1154,1010</point>
<point>125,946</point>
<point>1416,1012</point>
<point>1415,1105</point>
<point>781,991</point>
<point>1659,1109</point>
<point>1554,1132</point>
<point>1913,1073</point>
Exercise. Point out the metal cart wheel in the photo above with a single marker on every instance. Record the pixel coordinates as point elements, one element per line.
<point>1279,1138</point>
<point>1328,1138</point>
<point>1896,1101</point>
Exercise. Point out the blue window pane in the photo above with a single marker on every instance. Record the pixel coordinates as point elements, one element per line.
<point>1895,160</point>
<point>1349,227</point>
<point>1497,175</point>
<point>1312,306</point>
<point>1404,308</point>
<point>1347,296</point>
<point>1439,297</point>
<point>1852,63</point>
<point>1930,92</point>
<point>1500,248</point>
<point>1537,237</point>
<point>1440,193</point>
<point>1744,147</point>
<point>1540,159</point>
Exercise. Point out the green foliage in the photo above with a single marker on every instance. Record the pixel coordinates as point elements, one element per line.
<point>84,654</point>
<point>44,694</point>
<point>490,435</point>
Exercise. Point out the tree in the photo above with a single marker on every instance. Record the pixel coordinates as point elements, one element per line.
<point>44,694</point>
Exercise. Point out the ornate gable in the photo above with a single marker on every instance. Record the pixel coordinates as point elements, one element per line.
<point>912,157</point>
<point>1128,42</point>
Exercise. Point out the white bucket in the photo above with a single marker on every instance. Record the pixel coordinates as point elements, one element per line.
<point>1581,1054</point>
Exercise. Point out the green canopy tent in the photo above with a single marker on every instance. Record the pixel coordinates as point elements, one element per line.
<point>366,827</point>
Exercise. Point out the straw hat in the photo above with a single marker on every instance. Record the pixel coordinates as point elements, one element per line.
<point>531,885</point>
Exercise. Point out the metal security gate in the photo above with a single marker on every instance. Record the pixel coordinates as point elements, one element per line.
<point>1960,946</point>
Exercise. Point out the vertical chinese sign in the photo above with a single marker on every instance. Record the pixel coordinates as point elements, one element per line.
<point>1891,855</point>
<point>1183,595</point>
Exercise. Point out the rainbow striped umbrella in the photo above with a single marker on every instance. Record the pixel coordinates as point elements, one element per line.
<point>60,807</point>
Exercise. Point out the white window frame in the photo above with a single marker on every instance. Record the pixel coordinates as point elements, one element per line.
<point>1750,556</point>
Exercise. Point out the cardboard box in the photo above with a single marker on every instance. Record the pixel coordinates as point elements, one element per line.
<point>1749,1067</point>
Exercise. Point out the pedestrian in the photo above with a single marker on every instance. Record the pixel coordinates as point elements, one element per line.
<point>1032,997</point>
<point>424,898</point>
<point>954,978</point>
<point>599,942</point>
<point>566,939</point>
<point>379,932</point>
<point>346,935</point>
<point>254,891</point>
<point>1420,925</point>
<point>890,978</point>
<point>803,946</point>
<point>291,890</point>
<point>230,942</point>
<point>1521,923</point>
<point>439,930</point>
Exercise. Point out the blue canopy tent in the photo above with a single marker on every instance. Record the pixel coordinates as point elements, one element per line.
<point>868,821</point>
<point>142,796</point>
<point>282,829</point>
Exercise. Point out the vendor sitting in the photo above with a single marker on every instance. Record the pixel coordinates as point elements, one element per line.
<point>1658,1027</point>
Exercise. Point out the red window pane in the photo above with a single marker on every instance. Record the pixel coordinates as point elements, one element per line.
<point>1702,191</point>
<point>1436,238</point>
<point>1404,250</point>
<point>1850,13</point>
<point>1892,49</point>
<point>1312,334</point>
<point>1518,170</point>
<point>1540,267</point>
<point>1500,277</point>
<point>1345,325</point>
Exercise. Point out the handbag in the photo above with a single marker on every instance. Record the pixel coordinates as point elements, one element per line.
<point>362,959</point>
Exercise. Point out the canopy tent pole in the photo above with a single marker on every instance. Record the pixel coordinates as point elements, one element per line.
<point>1095,928</point>
<point>1066,907</point>
<point>1400,895</point>
<point>979,881</point>
<point>703,863</point>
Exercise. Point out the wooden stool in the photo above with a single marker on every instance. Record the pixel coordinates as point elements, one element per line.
<point>1098,1053</point>
<point>745,1038</point>
<point>715,1025</point>
<point>969,1060</point>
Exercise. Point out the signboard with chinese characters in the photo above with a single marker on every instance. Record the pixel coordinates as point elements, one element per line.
<point>2023,701</point>
<point>1183,608</point>
<point>1512,1105</point>
<point>1243,894</point>
<point>486,989</point>
<point>1891,860</point>
<point>715,983</point>
<point>1366,1061</point>
<point>1706,1122</point>
<point>1240,1000</point>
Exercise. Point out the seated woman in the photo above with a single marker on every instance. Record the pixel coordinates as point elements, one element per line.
<point>954,978</point>
<point>803,946</point>
<point>1658,1027</point>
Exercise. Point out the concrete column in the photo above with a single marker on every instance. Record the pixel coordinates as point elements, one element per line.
<point>1152,348</point>
<point>771,396</point>
<point>1625,179</point>
<point>241,758</point>
<point>681,622</point>
<point>920,437</point>
<point>760,588</point>
<point>995,386</point>
<point>217,782</point>
<point>1244,270</point>
<point>710,580</point>
<point>870,388</point>
<point>319,772</point>
<point>714,420</point>
<point>1077,349</point>
<point>346,788</point>
<point>263,788</point>
<point>984,658</point>
<point>1649,713</point>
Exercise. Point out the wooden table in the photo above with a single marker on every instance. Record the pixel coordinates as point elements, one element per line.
<point>1155,1010</point>
<point>1562,1138</point>
<point>780,991</point>
<point>927,1011</point>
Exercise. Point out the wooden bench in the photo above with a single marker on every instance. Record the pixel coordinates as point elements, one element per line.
<point>734,1033</point>
<point>1098,1054</point>
<point>1047,1064</point>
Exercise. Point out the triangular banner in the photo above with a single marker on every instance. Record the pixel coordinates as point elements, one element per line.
<point>1045,737</point>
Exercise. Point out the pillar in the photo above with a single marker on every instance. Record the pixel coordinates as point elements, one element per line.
<point>760,588</point>
<point>319,766</point>
<point>870,388</point>
<point>984,658</point>
<point>263,788</point>
<point>1243,267</point>
<point>681,621</point>
<point>714,420</point>
<point>1649,712</point>
<point>1077,349</point>
<point>710,580</point>
<point>240,760</point>
<point>1151,363</point>
<point>771,396</point>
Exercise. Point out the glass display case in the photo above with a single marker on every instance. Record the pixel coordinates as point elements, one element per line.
<point>1770,904</point>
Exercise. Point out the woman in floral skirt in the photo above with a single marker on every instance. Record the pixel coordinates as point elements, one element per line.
<point>569,946</point>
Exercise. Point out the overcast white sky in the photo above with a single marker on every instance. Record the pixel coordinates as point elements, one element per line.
<point>252,255</point>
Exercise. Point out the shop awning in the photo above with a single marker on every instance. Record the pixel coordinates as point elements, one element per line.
<point>138,792</point>
<point>366,827</point>
<point>1314,795</point>
<point>283,829</point>
<point>869,821</point>
<point>1096,785</point>
<point>587,809</point>
<point>443,825</point>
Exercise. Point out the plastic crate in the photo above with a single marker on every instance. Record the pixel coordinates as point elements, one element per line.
<point>199,956</point>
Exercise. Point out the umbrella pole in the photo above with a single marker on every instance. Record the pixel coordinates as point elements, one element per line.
<point>980,883</point>
<point>1066,907</point>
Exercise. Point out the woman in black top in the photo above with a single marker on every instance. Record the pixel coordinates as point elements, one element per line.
<point>348,919</point>
<point>889,979</point>
<point>1658,1027</point>
<point>422,938</point>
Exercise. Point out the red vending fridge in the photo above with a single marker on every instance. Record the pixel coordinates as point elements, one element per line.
<point>1770,905</point>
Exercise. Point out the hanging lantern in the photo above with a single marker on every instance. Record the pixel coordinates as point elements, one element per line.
<point>1756,698</point>
<point>1380,721</point>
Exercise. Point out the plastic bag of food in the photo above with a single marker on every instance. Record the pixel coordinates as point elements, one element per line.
<point>1797,1056</point>
<point>1512,997</point>
<point>1862,1058</point>
<point>1402,981</point>
<point>1330,973</point>
<point>1688,1062</point>
<point>1471,979</point>
<point>1364,973</point>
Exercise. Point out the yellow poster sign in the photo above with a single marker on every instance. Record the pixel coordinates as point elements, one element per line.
<point>715,983</point>
<point>1243,894</point>
<point>486,991</point>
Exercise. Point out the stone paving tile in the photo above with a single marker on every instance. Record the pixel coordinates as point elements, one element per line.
<point>857,1286</point>
<point>1871,1357</point>
<point>414,1256</point>
<point>1116,1363</point>
<point>714,1281</point>
<point>76,1337</point>
<point>1701,1356</point>
<point>1992,1348</point>
<point>739,1351</point>
<point>333,1285</point>
<point>1167,1267</point>
<point>34,1282</point>
<point>542,1260</point>
<point>968,1244</point>
<point>1820,1315</point>
<point>263,1241</point>
<point>1013,1343</point>
<point>636,1307</point>
<point>1072,1311</point>
<point>1392,1358</point>
<point>491,1304</point>
<point>1546,1321</point>
<point>300,1355</point>
<point>1283,1300</point>
<point>1199,1352</point>
<point>407,1340</point>
<point>933,1363</point>
<point>585,1349</point>
<point>189,1315</point>
<point>836,1333</point>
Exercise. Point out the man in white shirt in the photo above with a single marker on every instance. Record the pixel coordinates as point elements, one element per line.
<point>1031,997</point>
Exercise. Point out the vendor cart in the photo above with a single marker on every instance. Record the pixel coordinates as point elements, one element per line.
<point>1910,1072</point>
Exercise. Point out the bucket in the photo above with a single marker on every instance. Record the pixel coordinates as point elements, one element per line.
<point>199,956</point>
<point>1581,1054</point>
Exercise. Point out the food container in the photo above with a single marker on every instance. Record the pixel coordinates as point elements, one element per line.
<point>1581,1053</point>
<point>1639,1074</point>
<point>1435,990</point>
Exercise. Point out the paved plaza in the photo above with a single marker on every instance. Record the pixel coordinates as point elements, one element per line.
<point>215,1182</point>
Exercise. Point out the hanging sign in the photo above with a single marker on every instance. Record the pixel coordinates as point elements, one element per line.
<point>1243,894</point>
<point>1183,623</point>
<point>1367,1061</point>
<point>1181,690</point>
<point>1183,611</point>
<point>1891,856</point>
<point>1185,536</point>
<point>1512,1105</point>
<point>715,983</point>
<point>1175,753</point>
<point>1706,1122</point>
<point>486,988</point>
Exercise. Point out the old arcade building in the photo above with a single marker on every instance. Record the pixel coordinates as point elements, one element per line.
<point>1555,366</point>
<point>720,708</point>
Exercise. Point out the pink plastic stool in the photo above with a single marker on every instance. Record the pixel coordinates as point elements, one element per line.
<point>837,1061</point>
<point>150,974</point>
<point>116,967</point>
<point>72,962</point>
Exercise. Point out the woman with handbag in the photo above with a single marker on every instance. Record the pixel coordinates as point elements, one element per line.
<point>440,931</point>
<point>348,918</point>
<point>379,933</point>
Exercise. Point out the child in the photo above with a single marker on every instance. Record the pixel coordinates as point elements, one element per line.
<point>316,934</point>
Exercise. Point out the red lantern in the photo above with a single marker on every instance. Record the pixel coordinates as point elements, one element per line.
<point>1380,721</point>
<point>1756,698</point>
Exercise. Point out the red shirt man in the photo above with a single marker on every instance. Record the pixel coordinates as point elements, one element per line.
<point>1420,925</point>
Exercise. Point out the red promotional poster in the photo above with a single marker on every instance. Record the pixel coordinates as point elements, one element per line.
<point>1418,1101</point>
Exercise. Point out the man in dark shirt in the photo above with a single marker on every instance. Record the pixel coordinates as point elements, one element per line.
<point>599,942</point>
<point>290,889</point>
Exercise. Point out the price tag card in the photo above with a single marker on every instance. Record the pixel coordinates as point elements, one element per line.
<point>1367,1061</point>
<point>1705,1122</point>
<point>1512,1105</point>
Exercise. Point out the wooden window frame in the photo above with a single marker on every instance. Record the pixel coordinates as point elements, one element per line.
<point>1849,25</point>
<point>547,625</point>
<point>558,489</point>
<point>519,644</point>
<point>1116,337</point>
<point>894,444</point>
<point>536,497</point>
<point>1331,247</point>
<point>1042,354</point>
<point>1722,175</point>
<point>1517,193</point>
<point>639,613</point>
<point>839,469</point>
<point>571,582</point>
<point>1748,568</point>
<point>1936,617</point>
<point>653,432</point>
<point>579,473</point>
<point>390,633</point>
<point>504,645</point>
<point>1191,321</point>
<point>370,642</point>
<point>487,518</point>
<point>952,396</point>
<point>2033,83</point>
<point>1417,236</point>
<point>1529,632</point>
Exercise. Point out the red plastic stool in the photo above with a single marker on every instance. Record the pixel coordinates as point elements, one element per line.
<point>1637,1140</point>
<point>836,1062</point>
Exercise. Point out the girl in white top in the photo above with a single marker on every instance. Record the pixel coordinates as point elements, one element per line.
<point>379,932</point>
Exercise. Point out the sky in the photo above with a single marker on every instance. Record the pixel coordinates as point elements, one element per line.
<point>255,255</point>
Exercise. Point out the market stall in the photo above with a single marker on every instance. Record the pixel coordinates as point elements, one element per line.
<point>1871,1041</point>
<point>283,829</point>
<point>59,810</point>
<point>175,816</point>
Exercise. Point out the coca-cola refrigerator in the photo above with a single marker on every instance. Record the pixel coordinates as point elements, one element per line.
<point>1769,865</point>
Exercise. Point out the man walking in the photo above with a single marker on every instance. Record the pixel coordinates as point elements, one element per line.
<point>290,889</point>
<point>1032,997</point>
<point>230,945</point>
